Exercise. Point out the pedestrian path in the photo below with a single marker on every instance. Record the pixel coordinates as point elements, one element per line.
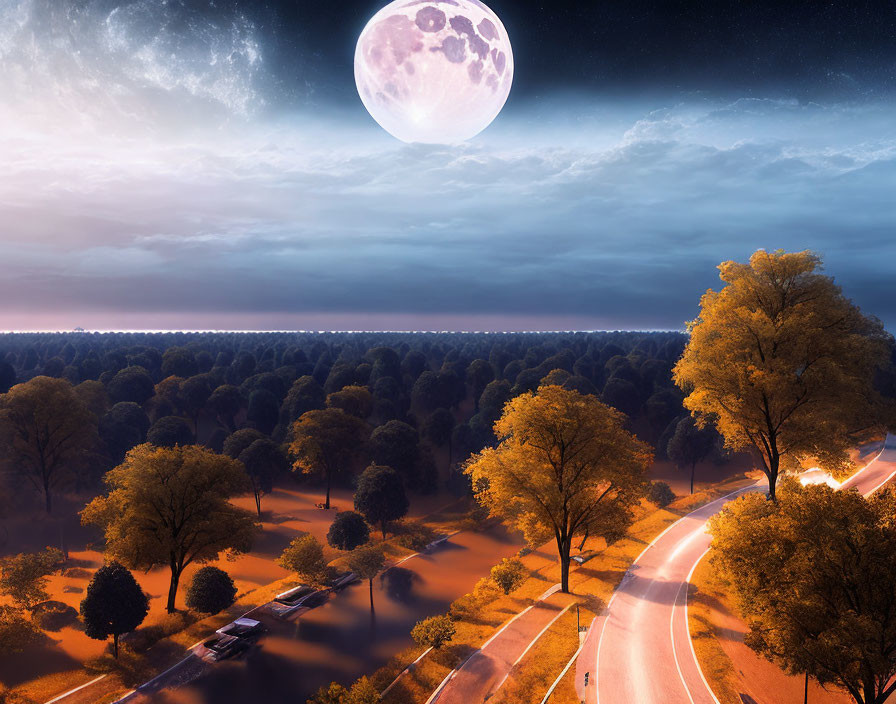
<point>484,672</point>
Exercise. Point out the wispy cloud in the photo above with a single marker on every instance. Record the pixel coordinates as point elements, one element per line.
<point>619,223</point>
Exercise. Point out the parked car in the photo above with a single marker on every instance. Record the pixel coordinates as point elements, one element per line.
<point>241,628</point>
<point>230,640</point>
<point>291,600</point>
<point>342,580</point>
<point>220,647</point>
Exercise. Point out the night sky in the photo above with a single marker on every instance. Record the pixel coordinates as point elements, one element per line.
<point>209,165</point>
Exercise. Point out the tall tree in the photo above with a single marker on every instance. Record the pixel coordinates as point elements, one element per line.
<point>46,430</point>
<point>690,444</point>
<point>783,363</point>
<point>380,496</point>
<point>815,576</point>
<point>324,442</point>
<point>263,460</point>
<point>170,506</point>
<point>367,561</point>
<point>564,466</point>
<point>114,604</point>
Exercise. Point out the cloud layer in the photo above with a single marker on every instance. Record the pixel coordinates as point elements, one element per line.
<point>590,215</point>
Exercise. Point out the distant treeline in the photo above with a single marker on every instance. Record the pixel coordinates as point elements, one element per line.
<point>218,383</point>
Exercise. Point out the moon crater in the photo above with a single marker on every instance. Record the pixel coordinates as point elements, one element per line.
<point>439,73</point>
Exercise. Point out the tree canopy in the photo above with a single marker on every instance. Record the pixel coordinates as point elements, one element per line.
<point>169,506</point>
<point>380,496</point>
<point>783,364</point>
<point>114,604</point>
<point>564,467</point>
<point>815,576</point>
<point>46,430</point>
<point>348,531</point>
<point>325,442</point>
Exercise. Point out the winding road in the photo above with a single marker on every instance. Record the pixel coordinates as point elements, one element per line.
<point>639,649</point>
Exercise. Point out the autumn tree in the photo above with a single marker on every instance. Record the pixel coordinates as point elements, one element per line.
<point>690,444</point>
<point>783,364</point>
<point>815,576</point>
<point>304,556</point>
<point>170,506</point>
<point>23,577</point>
<point>509,574</point>
<point>325,442</point>
<point>380,496</point>
<point>367,561</point>
<point>114,604</point>
<point>564,466</point>
<point>434,632</point>
<point>45,430</point>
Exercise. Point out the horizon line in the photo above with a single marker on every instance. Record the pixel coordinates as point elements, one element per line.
<point>79,331</point>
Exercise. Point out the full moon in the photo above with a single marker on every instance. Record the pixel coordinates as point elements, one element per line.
<point>434,71</point>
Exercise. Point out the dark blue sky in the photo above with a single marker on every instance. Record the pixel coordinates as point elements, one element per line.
<point>180,165</point>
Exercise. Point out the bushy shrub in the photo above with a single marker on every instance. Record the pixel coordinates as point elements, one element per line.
<point>661,494</point>
<point>414,536</point>
<point>434,632</point>
<point>509,575</point>
<point>211,591</point>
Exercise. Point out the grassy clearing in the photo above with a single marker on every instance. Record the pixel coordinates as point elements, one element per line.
<point>593,581</point>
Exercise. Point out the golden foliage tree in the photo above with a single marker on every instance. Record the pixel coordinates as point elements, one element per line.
<point>815,575</point>
<point>169,506</point>
<point>325,441</point>
<point>564,467</point>
<point>783,364</point>
<point>46,429</point>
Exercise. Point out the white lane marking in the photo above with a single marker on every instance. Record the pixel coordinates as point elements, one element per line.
<point>687,689</point>
<point>565,670</point>
<point>435,695</point>
<point>867,466</point>
<point>653,542</point>
<point>688,622</point>
<point>403,672</point>
<point>76,689</point>
<point>528,648</point>
<point>885,481</point>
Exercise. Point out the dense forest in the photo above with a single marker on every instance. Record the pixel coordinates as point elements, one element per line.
<point>428,399</point>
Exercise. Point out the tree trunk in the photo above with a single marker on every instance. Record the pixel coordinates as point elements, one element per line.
<point>47,499</point>
<point>115,645</point>
<point>371,593</point>
<point>772,475</point>
<point>383,527</point>
<point>327,500</point>
<point>806,690</point>
<point>172,588</point>
<point>563,547</point>
<point>693,469</point>
<point>258,502</point>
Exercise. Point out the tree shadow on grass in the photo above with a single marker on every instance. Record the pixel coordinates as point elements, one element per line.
<point>39,659</point>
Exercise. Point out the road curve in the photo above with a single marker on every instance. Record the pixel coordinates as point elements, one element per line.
<point>640,648</point>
